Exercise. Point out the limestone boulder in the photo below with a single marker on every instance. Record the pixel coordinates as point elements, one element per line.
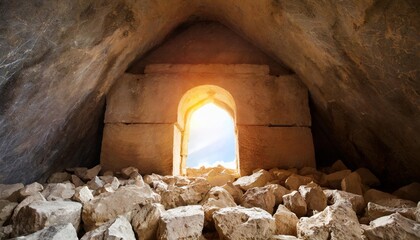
<point>148,179</point>
<point>76,181</point>
<point>374,211</point>
<point>238,223</point>
<point>95,183</point>
<point>352,183</point>
<point>336,196</point>
<point>59,177</point>
<point>126,172</point>
<point>393,227</point>
<point>55,232</point>
<point>108,206</point>
<point>235,191</point>
<point>91,173</point>
<point>182,223</point>
<point>261,197</point>
<point>6,210</point>
<point>314,197</point>
<point>214,200</point>
<point>219,177</point>
<point>410,192</point>
<point>145,220</point>
<point>58,191</point>
<point>373,195</point>
<point>118,228</point>
<point>368,178</point>
<point>40,214</point>
<point>279,191</point>
<point>30,189</point>
<point>295,181</point>
<point>286,221</point>
<point>336,222</point>
<point>10,191</point>
<point>257,179</point>
<point>26,202</point>
<point>82,195</point>
<point>280,174</point>
<point>334,179</point>
<point>295,203</point>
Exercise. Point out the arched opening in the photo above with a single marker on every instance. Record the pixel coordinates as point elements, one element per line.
<point>202,111</point>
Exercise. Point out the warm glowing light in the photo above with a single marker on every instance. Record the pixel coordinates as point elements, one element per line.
<point>212,138</point>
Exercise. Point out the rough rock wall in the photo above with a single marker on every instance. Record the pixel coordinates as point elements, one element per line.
<point>359,60</point>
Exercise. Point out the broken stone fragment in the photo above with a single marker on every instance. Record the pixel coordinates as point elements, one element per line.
<point>336,222</point>
<point>26,202</point>
<point>307,171</point>
<point>118,228</point>
<point>145,220</point>
<point>280,174</point>
<point>261,197</point>
<point>410,192</point>
<point>257,179</point>
<point>79,171</point>
<point>10,191</point>
<point>418,212</point>
<point>375,211</point>
<point>95,183</point>
<point>295,181</point>
<point>373,195</point>
<point>108,206</point>
<point>338,166</point>
<point>59,177</point>
<point>286,221</point>
<point>6,210</point>
<point>182,223</point>
<point>334,179</point>
<point>30,189</point>
<point>314,197</point>
<point>214,200</point>
<point>56,232</point>
<point>279,191</point>
<point>396,202</point>
<point>219,177</point>
<point>6,232</point>
<point>235,191</point>
<point>108,173</point>
<point>283,237</point>
<point>295,203</point>
<point>237,223</point>
<point>91,173</point>
<point>352,183</point>
<point>82,194</point>
<point>394,226</point>
<point>58,191</point>
<point>148,179</point>
<point>126,172</point>
<point>40,214</point>
<point>336,196</point>
<point>77,181</point>
<point>368,178</point>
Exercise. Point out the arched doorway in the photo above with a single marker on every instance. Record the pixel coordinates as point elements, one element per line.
<point>191,102</point>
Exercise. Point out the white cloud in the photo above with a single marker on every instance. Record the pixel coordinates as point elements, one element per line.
<point>208,164</point>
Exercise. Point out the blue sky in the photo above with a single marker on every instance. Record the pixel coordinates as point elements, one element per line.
<point>212,138</point>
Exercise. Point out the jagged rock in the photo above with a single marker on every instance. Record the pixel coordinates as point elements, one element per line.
<point>295,203</point>
<point>91,173</point>
<point>396,202</point>
<point>40,214</point>
<point>219,177</point>
<point>10,191</point>
<point>79,172</point>
<point>26,202</point>
<point>294,181</point>
<point>314,197</point>
<point>338,166</point>
<point>280,174</point>
<point>373,195</point>
<point>335,196</point>
<point>352,183</point>
<point>118,229</point>
<point>286,221</point>
<point>108,173</point>
<point>6,232</point>
<point>214,200</point>
<point>56,232</point>
<point>31,189</point>
<point>410,192</point>
<point>95,183</point>
<point>6,210</point>
<point>257,179</point>
<point>126,172</point>
<point>308,171</point>
<point>150,178</point>
<point>279,191</point>
<point>261,197</point>
<point>368,178</point>
<point>334,179</point>
<point>283,237</point>
<point>77,181</point>
<point>108,206</point>
<point>59,177</point>
<point>237,223</point>
<point>182,223</point>
<point>145,220</point>
<point>336,222</point>
<point>235,191</point>
<point>58,191</point>
<point>82,194</point>
<point>375,211</point>
<point>393,227</point>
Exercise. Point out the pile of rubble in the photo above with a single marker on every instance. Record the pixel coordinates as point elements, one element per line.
<point>335,203</point>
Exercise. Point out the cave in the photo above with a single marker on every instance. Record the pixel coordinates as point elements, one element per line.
<point>313,88</point>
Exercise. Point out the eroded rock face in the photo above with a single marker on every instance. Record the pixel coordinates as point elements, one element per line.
<point>145,220</point>
<point>394,226</point>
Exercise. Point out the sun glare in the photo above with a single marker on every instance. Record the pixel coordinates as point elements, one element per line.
<point>212,138</point>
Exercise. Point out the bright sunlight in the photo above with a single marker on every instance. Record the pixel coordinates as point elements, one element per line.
<point>212,138</point>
